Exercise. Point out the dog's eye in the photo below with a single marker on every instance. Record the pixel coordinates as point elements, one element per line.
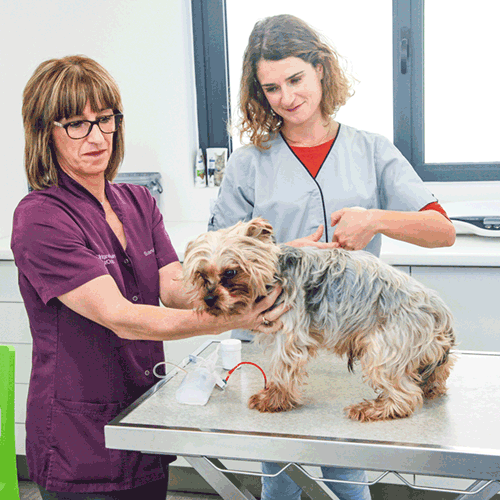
<point>202,277</point>
<point>230,273</point>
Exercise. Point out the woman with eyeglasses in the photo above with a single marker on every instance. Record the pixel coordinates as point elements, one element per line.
<point>94,263</point>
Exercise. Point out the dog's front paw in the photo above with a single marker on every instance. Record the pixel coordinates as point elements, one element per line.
<point>271,399</point>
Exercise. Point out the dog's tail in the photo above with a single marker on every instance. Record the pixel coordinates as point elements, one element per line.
<point>426,371</point>
<point>433,375</point>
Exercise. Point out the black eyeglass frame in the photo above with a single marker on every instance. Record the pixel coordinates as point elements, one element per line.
<point>118,119</point>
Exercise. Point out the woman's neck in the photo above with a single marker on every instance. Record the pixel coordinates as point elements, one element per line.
<point>95,184</point>
<point>310,135</point>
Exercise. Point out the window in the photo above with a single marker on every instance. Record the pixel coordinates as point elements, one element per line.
<point>443,119</point>
<point>446,107</point>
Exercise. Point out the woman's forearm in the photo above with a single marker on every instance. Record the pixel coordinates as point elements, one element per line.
<point>101,301</point>
<point>144,322</point>
<point>427,228</point>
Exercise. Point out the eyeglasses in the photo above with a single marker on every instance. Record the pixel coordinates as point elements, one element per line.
<point>80,129</point>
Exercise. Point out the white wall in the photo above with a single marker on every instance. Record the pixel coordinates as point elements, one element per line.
<point>147,47</point>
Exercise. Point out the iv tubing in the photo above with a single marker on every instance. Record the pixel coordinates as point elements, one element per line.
<point>247,363</point>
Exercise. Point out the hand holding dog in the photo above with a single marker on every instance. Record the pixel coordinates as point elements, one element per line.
<point>262,316</point>
<point>355,228</point>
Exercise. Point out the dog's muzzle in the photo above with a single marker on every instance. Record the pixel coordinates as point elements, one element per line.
<point>210,300</point>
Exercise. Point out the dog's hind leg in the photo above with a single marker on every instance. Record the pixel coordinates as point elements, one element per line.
<point>435,384</point>
<point>385,368</point>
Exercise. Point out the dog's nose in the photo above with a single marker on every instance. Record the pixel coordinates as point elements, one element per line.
<point>210,300</point>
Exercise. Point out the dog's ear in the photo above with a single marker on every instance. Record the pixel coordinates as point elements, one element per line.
<point>261,229</point>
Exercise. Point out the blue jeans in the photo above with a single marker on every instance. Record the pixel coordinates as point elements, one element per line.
<point>283,488</point>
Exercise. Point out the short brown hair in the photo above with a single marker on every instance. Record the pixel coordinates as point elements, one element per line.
<point>60,88</point>
<point>275,38</point>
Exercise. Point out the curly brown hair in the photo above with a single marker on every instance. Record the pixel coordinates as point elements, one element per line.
<point>275,38</point>
<point>61,88</point>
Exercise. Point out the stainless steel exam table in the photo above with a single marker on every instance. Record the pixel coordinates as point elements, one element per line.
<point>456,436</point>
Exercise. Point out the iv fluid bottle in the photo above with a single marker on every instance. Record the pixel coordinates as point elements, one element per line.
<point>196,387</point>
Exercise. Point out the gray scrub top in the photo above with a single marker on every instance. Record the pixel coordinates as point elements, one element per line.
<point>362,169</point>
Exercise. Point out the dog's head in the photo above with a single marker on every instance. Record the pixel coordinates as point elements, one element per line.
<point>226,270</point>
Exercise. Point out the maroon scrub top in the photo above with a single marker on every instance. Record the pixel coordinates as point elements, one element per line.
<point>83,374</point>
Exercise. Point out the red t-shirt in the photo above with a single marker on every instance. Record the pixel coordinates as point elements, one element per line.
<point>313,157</point>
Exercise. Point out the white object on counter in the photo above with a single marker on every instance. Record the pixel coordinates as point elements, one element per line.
<point>230,353</point>
<point>197,386</point>
<point>216,165</point>
<point>475,217</point>
<point>200,174</point>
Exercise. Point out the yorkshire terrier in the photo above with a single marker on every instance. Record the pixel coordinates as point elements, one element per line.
<point>348,302</point>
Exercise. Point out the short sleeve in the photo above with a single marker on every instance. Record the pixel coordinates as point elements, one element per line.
<point>236,198</point>
<point>51,251</point>
<point>164,250</point>
<point>437,208</point>
<point>400,187</point>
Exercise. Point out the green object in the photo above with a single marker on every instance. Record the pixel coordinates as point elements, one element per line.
<point>9,487</point>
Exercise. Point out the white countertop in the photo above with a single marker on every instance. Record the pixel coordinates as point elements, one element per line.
<point>468,250</point>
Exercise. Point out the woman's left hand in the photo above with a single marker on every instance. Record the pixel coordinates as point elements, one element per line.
<point>271,322</point>
<point>355,228</point>
<point>313,240</point>
<point>263,316</point>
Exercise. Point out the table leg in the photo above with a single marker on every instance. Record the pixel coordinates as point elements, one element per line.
<point>225,484</point>
<point>309,486</point>
<point>484,494</point>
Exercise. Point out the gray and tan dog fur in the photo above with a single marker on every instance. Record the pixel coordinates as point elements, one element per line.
<point>349,303</point>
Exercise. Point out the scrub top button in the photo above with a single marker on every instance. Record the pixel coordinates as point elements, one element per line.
<point>126,261</point>
<point>146,372</point>
<point>135,298</point>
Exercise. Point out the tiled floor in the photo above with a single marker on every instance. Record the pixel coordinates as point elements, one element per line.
<point>29,491</point>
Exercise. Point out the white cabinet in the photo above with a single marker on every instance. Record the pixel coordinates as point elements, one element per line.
<point>472,295</point>
<point>405,269</point>
<point>14,325</point>
<point>14,331</point>
<point>9,288</point>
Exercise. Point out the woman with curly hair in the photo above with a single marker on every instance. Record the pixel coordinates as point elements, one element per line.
<point>306,172</point>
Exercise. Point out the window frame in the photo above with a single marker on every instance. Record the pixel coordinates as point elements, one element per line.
<point>211,73</point>
<point>213,92</point>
